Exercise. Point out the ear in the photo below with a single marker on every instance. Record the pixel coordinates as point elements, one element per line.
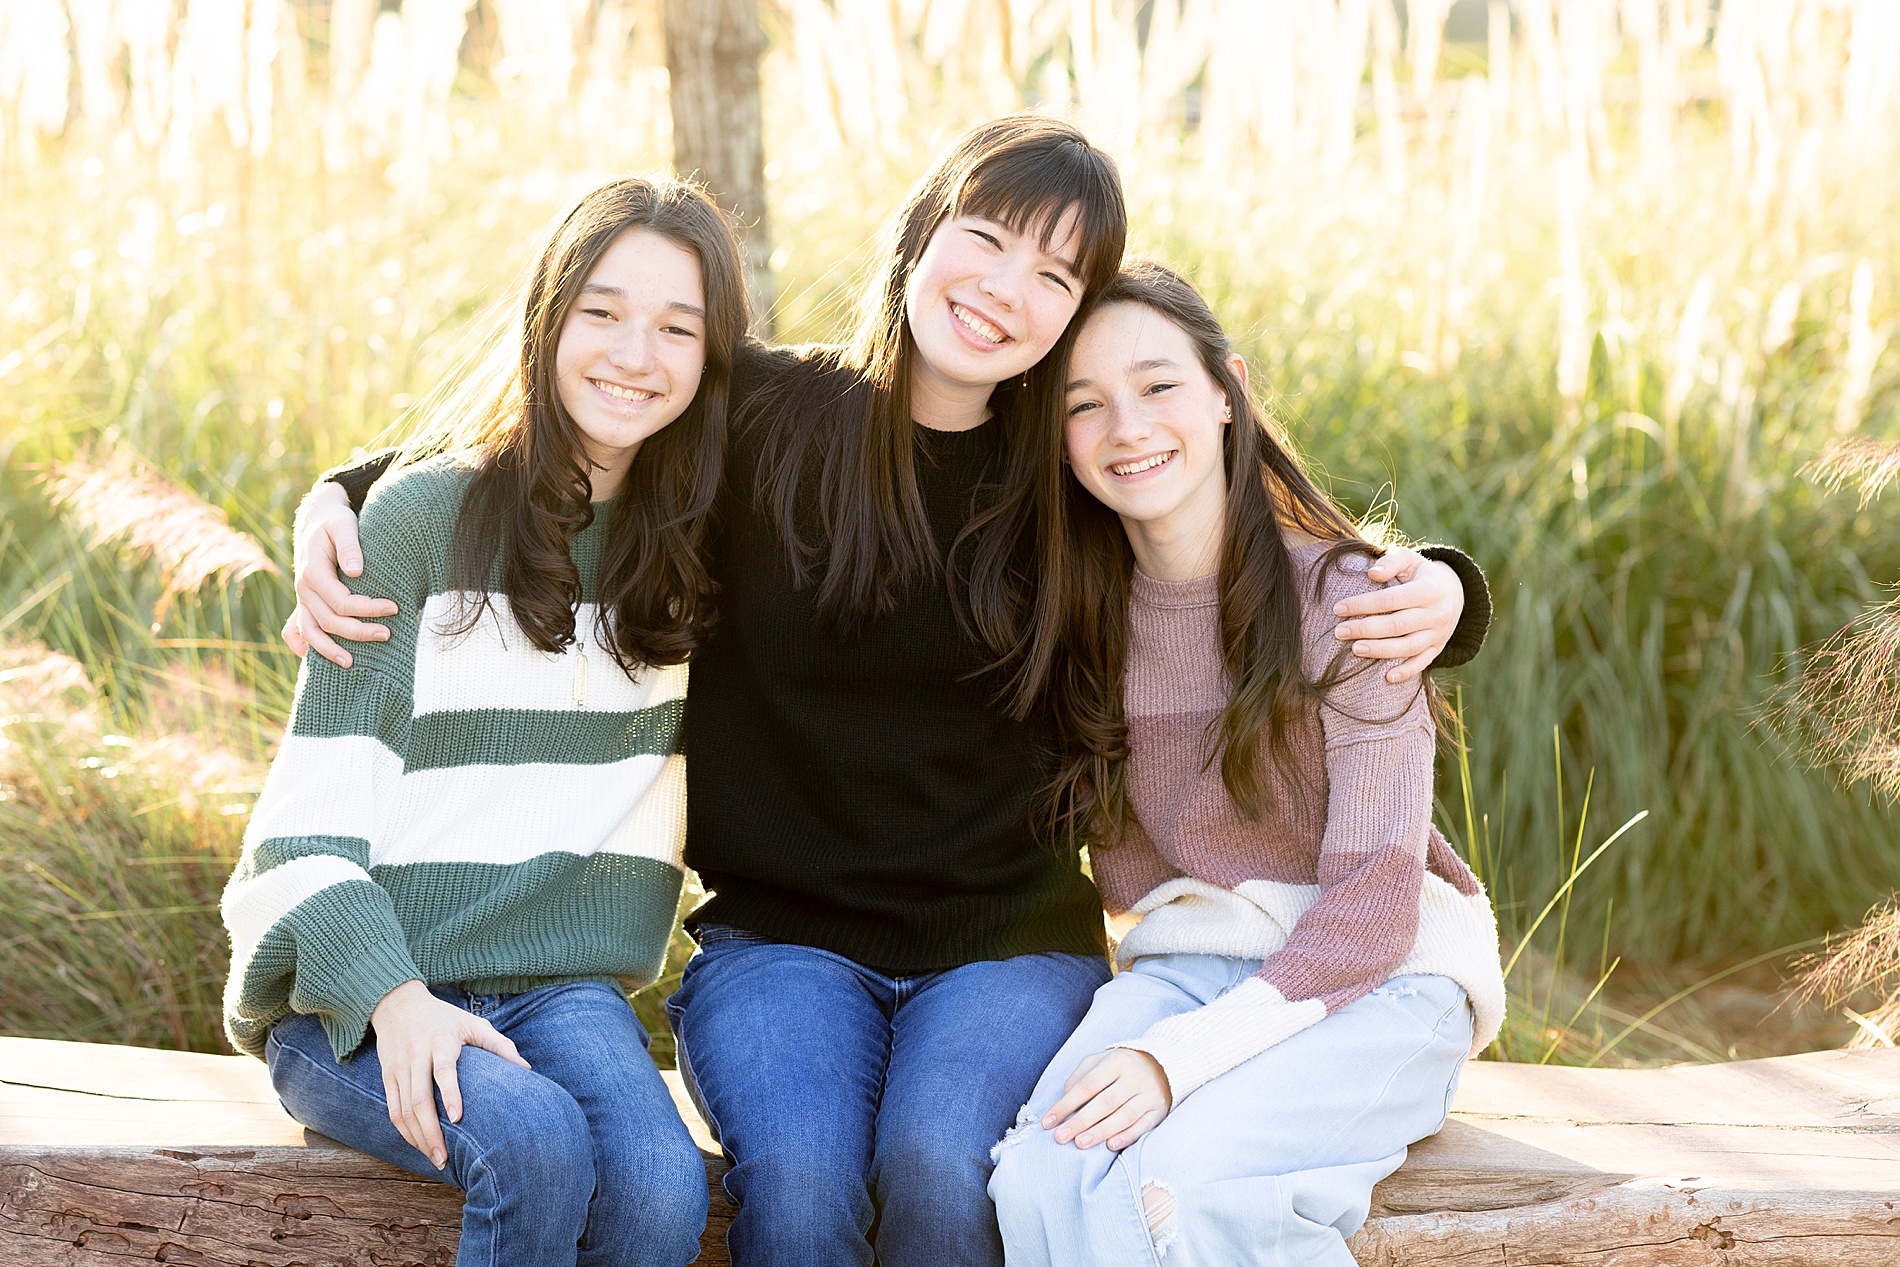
<point>1237,364</point>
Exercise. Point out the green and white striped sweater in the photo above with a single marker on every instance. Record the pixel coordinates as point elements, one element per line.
<point>460,808</point>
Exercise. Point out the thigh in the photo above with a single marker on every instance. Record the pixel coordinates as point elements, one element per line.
<point>968,1047</point>
<point>1153,989</point>
<point>1360,1085</point>
<point>341,1099</point>
<point>785,1048</point>
<point>501,1102</point>
<point>585,1038</point>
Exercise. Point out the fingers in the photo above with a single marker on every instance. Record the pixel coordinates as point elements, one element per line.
<point>1077,1091</point>
<point>1397,561</point>
<point>293,635</point>
<point>321,642</point>
<point>1414,666</point>
<point>1397,648</point>
<point>345,547</point>
<point>488,1038</point>
<point>445,1078</point>
<point>1122,1127</point>
<point>1081,1126</point>
<point>1379,602</point>
<point>1391,625</point>
<point>420,1095</point>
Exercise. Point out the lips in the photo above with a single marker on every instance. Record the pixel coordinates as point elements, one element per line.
<point>1139,465</point>
<point>979,326</point>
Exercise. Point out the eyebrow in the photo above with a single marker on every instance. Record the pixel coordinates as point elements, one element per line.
<point>1152,363</point>
<point>601,288</point>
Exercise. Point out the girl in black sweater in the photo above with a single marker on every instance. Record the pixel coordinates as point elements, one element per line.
<point>890,956</point>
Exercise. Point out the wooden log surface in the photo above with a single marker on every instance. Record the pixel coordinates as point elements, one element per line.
<point>125,1153</point>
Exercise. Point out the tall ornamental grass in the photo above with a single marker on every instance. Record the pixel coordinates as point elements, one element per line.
<point>1581,287</point>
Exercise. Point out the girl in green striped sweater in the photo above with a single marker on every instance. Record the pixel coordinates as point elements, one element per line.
<point>469,843</point>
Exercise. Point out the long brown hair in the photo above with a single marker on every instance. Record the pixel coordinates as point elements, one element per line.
<point>530,492</point>
<point>851,423</point>
<point>1077,644</point>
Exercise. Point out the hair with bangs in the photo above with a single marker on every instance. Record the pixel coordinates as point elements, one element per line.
<point>851,423</point>
<point>1076,645</point>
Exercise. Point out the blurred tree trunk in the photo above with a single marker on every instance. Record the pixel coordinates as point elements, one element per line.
<point>712,61</point>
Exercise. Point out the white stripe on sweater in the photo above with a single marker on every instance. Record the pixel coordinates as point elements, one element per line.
<point>1457,935</point>
<point>251,908</point>
<point>486,669</point>
<point>324,787</point>
<point>472,813</point>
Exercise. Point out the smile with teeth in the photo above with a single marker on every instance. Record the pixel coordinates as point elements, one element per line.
<point>1144,464</point>
<point>622,393</point>
<point>976,325</point>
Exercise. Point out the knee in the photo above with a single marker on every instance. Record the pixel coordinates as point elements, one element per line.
<point>540,1152</point>
<point>656,1194</point>
<point>1032,1172</point>
<point>791,1182</point>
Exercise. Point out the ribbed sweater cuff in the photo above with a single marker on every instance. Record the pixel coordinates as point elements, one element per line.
<point>1196,1047</point>
<point>359,477</point>
<point>360,956</point>
<point>1463,645</point>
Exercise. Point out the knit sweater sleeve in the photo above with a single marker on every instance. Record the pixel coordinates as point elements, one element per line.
<point>311,931</point>
<point>1129,867</point>
<point>1378,746</point>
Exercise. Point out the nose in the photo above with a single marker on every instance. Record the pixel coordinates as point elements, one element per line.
<point>632,349</point>
<point>1127,423</point>
<point>1005,280</point>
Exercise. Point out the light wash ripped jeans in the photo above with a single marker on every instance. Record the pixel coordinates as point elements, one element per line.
<point>1273,1162</point>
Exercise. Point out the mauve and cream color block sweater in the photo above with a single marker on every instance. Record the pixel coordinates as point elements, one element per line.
<point>1337,890</point>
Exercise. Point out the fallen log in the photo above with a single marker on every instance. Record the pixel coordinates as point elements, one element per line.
<point>131,1154</point>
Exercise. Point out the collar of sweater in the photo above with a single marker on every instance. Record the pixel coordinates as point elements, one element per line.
<point>1201,591</point>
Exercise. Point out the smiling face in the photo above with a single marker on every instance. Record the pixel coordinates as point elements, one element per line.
<point>1144,430</point>
<point>631,349</point>
<point>985,302</point>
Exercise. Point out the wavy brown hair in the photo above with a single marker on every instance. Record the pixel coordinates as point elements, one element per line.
<point>1076,646</point>
<point>850,424</point>
<point>529,494</point>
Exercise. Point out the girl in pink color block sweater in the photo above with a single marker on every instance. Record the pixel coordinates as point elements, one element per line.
<point>1312,962</point>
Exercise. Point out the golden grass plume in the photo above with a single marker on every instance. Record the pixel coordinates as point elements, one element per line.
<point>1866,959</point>
<point>1871,466</point>
<point>122,500</point>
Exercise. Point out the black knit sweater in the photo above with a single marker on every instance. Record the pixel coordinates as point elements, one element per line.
<point>862,793</point>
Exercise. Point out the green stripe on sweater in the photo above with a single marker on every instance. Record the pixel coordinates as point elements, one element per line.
<point>519,736</point>
<point>268,855</point>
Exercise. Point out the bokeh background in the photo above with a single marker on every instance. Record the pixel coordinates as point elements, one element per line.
<point>1586,287</point>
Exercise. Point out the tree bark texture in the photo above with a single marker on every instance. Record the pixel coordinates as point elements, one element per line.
<point>713,49</point>
<point>125,1154</point>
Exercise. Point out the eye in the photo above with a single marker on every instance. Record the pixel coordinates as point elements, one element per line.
<point>1081,407</point>
<point>1061,281</point>
<point>988,237</point>
<point>1155,389</point>
<point>598,313</point>
<point>681,330</point>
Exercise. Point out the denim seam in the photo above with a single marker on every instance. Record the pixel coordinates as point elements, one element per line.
<point>1377,1101</point>
<point>1130,1169</point>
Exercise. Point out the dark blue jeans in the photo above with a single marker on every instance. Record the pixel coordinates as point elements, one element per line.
<point>859,1109</point>
<point>584,1160</point>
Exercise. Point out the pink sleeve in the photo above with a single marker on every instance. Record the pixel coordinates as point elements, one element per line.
<point>1128,868</point>
<point>1379,742</point>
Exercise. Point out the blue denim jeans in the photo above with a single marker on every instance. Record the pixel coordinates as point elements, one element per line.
<point>859,1109</point>
<point>1273,1162</point>
<point>581,1161</point>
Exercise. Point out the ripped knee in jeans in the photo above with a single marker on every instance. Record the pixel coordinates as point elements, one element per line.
<point>1157,1208</point>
